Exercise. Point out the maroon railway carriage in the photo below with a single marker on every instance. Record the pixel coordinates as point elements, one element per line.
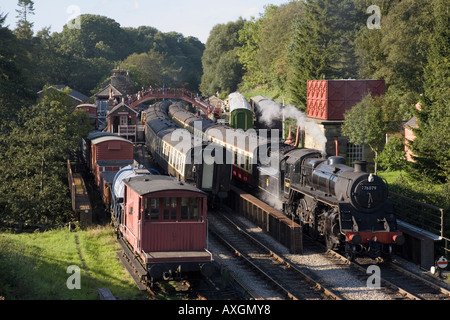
<point>165,223</point>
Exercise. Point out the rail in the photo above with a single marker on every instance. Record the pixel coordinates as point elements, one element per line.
<point>244,241</point>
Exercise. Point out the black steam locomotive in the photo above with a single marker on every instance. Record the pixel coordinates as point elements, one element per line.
<point>346,206</point>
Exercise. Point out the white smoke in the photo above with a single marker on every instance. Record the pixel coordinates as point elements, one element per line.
<point>274,111</point>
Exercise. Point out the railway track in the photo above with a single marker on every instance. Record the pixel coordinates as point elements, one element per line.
<point>407,283</point>
<point>331,269</point>
<point>282,275</point>
<point>396,282</point>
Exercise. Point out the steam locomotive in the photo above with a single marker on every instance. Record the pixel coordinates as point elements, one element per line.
<point>346,206</point>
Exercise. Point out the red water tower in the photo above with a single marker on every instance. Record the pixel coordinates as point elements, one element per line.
<point>330,99</point>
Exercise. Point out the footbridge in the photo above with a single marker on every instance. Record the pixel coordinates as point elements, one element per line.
<point>174,93</point>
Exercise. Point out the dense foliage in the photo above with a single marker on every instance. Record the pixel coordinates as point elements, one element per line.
<point>222,69</point>
<point>38,135</point>
<point>33,176</point>
<point>82,57</point>
<point>368,122</point>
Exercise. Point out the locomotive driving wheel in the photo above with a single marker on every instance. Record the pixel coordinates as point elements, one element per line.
<point>308,219</point>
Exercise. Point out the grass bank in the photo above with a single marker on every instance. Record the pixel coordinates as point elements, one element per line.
<point>35,265</point>
<point>436,194</point>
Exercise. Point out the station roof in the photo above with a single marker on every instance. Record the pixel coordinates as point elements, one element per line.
<point>74,94</point>
<point>122,106</point>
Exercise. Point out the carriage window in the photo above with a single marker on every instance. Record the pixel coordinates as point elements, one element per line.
<point>147,209</point>
<point>194,211</point>
<point>184,208</point>
<point>154,212</point>
<point>190,209</point>
<point>131,210</point>
<point>166,208</point>
<point>170,208</point>
<point>173,209</point>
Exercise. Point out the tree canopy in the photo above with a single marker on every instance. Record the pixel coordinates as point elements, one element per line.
<point>222,70</point>
<point>368,122</point>
<point>33,176</point>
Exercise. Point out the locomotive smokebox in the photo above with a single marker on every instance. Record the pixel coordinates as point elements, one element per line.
<point>360,166</point>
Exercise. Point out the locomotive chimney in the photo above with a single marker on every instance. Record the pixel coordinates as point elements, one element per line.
<point>360,166</point>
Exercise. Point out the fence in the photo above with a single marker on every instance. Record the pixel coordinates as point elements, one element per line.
<point>81,205</point>
<point>422,215</point>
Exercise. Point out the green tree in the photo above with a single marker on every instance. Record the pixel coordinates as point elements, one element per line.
<point>323,45</point>
<point>368,122</point>
<point>24,25</point>
<point>432,144</point>
<point>97,37</point>
<point>393,156</point>
<point>35,187</point>
<point>13,91</point>
<point>264,40</point>
<point>249,38</point>
<point>397,52</point>
<point>182,59</point>
<point>222,70</point>
<point>147,69</point>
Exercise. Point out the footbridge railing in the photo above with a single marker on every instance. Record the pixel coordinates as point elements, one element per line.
<point>173,93</point>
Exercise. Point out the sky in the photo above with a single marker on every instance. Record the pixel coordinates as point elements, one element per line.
<point>189,17</point>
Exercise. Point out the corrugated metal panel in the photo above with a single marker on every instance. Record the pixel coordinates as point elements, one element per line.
<point>330,99</point>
